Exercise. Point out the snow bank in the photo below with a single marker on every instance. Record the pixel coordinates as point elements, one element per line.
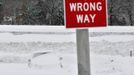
<point>8,37</point>
<point>58,29</point>
<point>113,38</point>
<point>14,28</point>
<point>113,29</point>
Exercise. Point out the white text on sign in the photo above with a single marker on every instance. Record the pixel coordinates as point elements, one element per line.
<point>80,7</point>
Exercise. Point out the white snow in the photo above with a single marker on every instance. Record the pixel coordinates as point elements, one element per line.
<point>8,37</point>
<point>111,65</point>
<point>58,29</point>
<point>24,28</point>
<point>47,64</point>
<point>109,52</point>
<point>114,38</point>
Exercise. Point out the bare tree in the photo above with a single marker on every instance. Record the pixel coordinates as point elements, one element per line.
<point>111,7</point>
<point>120,12</point>
<point>130,8</point>
<point>1,11</point>
<point>54,11</point>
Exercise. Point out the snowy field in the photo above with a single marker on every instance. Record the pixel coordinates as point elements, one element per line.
<point>19,46</point>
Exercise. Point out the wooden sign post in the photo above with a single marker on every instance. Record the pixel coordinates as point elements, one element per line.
<point>82,14</point>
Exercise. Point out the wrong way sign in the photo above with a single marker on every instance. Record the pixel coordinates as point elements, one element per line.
<point>85,13</point>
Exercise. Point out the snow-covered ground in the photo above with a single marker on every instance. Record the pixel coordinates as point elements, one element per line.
<point>110,50</point>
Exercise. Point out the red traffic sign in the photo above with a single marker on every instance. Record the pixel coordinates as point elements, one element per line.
<point>85,13</point>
